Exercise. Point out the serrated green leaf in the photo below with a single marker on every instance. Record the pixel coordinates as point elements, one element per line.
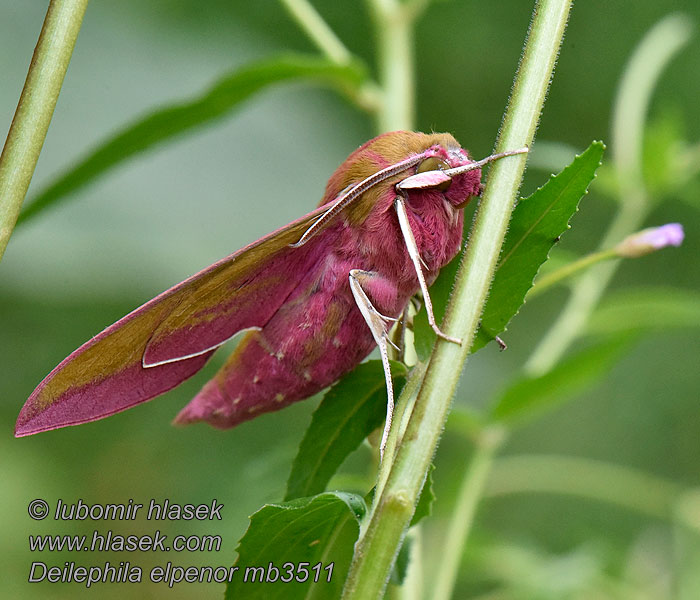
<point>322,529</point>
<point>348,413</point>
<point>650,308</point>
<point>536,225</point>
<point>170,121</point>
<point>529,396</point>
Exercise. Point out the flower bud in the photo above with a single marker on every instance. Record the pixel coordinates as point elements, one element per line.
<point>649,240</point>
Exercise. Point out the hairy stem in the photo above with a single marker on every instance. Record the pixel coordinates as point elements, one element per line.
<point>35,108</point>
<point>376,550</point>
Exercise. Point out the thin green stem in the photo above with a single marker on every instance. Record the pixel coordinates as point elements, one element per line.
<point>394,23</point>
<point>470,491</point>
<point>318,30</point>
<point>657,48</point>
<point>585,295</point>
<point>376,550</point>
<point>35,108</point>
<point>549,280</point>
<point>604,482</point>
<point>368,97</point>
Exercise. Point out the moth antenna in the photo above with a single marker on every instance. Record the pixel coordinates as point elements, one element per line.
<point>484,161</point>
<point>355,192</point>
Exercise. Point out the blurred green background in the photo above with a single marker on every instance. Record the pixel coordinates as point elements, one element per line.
<point>170,212</point>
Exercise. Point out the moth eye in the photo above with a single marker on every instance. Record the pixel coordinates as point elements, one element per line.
<point>432,164</point>
<point>435,164</point>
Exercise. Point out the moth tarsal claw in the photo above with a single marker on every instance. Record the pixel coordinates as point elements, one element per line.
<point>444,336</point>
<point>501,344</point>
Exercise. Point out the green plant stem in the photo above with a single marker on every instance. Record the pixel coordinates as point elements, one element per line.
<point>616,484</point>
<point>652,55</point>
<point>376,550</point>
<point>462,518</point>
<point>394,23</point>
<point>549,280</point>
<point>368,97</point>
<point>35,108</point>
<point>318,30</point>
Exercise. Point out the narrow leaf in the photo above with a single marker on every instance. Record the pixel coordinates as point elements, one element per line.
<point>536,225</point>
<point>170,121</point>
<point>651,308</point>
<point>348,413</point>
<point>284,542</point>
<point>528,396</point>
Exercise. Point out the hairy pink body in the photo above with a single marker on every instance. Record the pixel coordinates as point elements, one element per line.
<point>318,334</point>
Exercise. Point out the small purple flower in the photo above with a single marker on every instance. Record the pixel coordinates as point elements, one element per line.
<point>647,241</point>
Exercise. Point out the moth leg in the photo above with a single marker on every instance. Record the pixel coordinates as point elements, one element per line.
<point>377,324</point>
<point>416,259</point>
<point>398,339</point>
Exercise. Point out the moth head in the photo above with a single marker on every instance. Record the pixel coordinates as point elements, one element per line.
<point>445,171</point>
<point>440,168</point>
